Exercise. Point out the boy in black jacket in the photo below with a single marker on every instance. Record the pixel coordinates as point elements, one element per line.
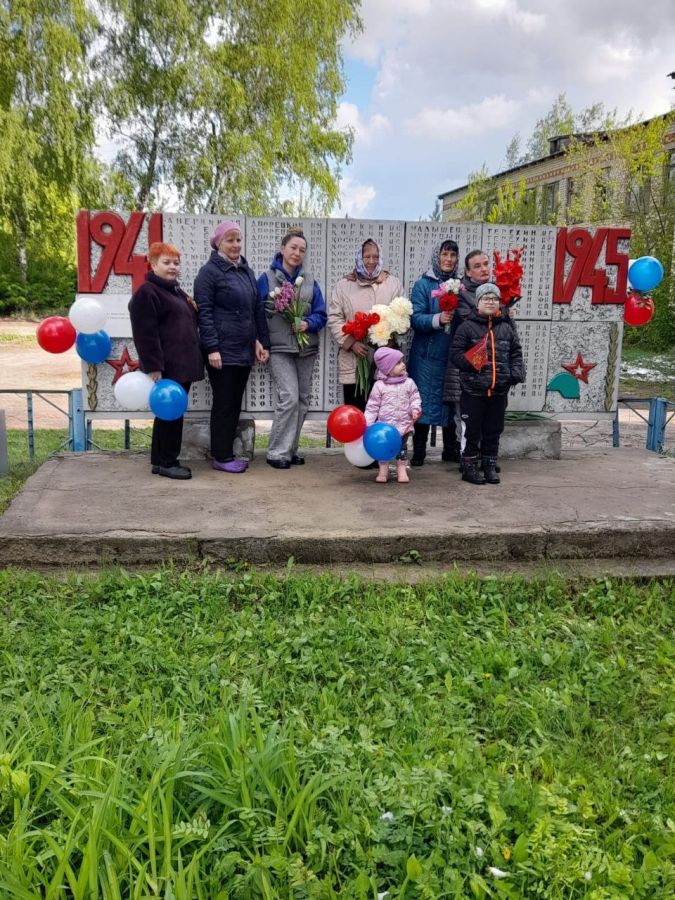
<point>487,352</point>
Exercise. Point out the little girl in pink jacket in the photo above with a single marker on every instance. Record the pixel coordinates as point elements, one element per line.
<point>394,399</point>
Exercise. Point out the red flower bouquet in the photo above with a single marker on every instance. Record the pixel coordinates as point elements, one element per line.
<point>358,328</point>
<point>448,297</point>
<point>507,274</point>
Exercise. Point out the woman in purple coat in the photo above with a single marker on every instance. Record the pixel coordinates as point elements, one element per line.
<point>164,329</point>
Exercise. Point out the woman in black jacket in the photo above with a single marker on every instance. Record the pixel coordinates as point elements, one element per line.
<point>233,334</point>
<point>487,352</point>
<point>164,329</point>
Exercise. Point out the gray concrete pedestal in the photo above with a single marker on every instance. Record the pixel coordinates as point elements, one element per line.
<point>196,438</point>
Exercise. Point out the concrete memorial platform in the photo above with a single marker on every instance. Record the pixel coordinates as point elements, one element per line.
<point>91,509</point>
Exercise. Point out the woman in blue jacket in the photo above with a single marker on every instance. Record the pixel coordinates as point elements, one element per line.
<point>291,360</point>
<point>233,334</point>
<point>429,354</point>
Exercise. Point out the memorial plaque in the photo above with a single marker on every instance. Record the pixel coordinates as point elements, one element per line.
<point>577,337</point>
<point>98,380</point>
<point>538,262</point>
<point>263,242</point>
<point>583,357</point>
<point>582,305</point>
<point>422,237</point>
<point>531,395</point>
<point>191,234</point>
<point>110,243</point>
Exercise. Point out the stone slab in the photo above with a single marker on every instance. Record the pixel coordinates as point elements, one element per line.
<point>90,509</point>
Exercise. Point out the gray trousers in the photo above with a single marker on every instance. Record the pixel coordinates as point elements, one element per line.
<point>292,380</point>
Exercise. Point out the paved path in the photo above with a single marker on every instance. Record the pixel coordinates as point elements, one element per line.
<point>95,508</point>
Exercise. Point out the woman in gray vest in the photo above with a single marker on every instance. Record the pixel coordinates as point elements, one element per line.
<point>294,343</point>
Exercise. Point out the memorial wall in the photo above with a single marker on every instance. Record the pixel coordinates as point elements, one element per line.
<point>570,317</point>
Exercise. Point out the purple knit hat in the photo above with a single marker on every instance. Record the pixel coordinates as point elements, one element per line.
<point>221,230</point>
<point>386,358</point>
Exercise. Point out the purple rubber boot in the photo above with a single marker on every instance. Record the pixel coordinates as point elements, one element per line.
<point>233,466</point>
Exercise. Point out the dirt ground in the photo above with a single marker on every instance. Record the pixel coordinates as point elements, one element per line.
<point>25,365</point>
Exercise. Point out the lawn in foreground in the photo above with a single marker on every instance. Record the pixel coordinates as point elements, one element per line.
<point>198,735</point>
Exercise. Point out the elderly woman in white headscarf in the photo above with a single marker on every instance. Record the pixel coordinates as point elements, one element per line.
<point>365,286</point>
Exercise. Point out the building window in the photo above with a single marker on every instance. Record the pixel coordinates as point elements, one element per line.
<point>602,194</point>
<point>569,193</point>
<point>671,167</point>
<point>551,197</point>
<point>638,195</point>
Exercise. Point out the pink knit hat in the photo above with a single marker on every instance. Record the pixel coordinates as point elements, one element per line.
<point>386,358</point>
<point>221,230</point>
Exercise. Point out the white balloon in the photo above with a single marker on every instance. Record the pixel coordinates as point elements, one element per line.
<point>87,315</point>
<point>630,263</point>
<point>132,391</point>
<point>356,453</point>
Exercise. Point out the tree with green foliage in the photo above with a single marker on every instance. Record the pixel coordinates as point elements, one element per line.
<point>47,126</point>
<point>561,119</point>
<point>221,106</point>
<point>480,195</point>
<point>625,176</point>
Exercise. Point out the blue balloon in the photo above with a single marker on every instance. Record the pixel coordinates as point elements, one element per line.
<point>382,441</point>
<point>645,273</point>
<point>93,348</point>
<point>168,400</point>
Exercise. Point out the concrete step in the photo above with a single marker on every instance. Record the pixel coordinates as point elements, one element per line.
<point>92,509</point>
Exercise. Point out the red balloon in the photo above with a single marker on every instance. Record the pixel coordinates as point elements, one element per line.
<point>56,334</point>
<point>346,424</point>
<point>638,309</point>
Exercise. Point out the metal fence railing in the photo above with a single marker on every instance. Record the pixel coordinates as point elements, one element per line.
<point>74,414</point>
<point>656,412</point>
<point>660,412</point>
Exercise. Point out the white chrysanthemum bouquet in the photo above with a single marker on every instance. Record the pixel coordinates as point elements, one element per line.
<point>394,319</point>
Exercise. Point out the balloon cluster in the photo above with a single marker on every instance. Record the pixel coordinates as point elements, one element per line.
<point>363,444</point>
<point>84,328</point>
<point>644,274</point>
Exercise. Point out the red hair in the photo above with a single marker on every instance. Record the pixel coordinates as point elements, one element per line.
<point>159,248</point>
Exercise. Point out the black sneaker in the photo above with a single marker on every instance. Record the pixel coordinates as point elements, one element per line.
<point>297,460</point>
<point>417,461</point>
<point>180,473</point>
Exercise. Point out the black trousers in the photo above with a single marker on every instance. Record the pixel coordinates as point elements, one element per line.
<point>483,421</point>
<point>166,439</point>
<point>354,398</point>
<point>421,436</point>
<point>227,385</point>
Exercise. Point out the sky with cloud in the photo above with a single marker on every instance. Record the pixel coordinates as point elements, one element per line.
<point>438,87</point>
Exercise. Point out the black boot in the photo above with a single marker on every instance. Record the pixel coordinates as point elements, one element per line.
<point>472,472</point>
<point>419,442</point>
<point>490,469</point>
<point>450,444</point>
<point>497,468</point>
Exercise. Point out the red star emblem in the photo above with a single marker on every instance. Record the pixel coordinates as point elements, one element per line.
<point>579,368</point>
<point>119,365</point>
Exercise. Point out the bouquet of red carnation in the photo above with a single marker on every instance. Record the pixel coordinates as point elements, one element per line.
<point>358,328</point>
<point>448,297</point>
<point>507,274</point>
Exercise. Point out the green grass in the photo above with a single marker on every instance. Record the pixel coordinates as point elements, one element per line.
<point>18,339</point>
<point>647,374</point>
<point>198,735</point>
